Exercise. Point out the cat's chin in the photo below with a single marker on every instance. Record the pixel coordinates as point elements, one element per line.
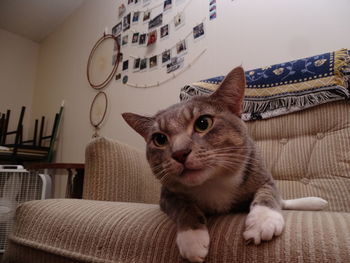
<point>194,177</point>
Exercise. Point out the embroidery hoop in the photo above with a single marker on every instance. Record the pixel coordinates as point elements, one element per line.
<point>94,112</point>
<point>101,85</point>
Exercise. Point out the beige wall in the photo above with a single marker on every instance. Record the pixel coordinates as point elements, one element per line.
<point>18,65</point>
<point>252,32</point>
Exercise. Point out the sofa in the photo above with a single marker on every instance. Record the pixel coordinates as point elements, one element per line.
<point>119,219</point>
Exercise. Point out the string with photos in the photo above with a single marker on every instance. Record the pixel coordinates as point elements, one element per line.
<point>182,11</point>
<point>171,47</point>
<point>161,4</point>
<point>168,22</point>
<point>174,75</point>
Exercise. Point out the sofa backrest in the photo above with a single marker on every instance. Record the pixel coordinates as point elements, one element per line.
<point>308,152</point>
<point>117,172</point>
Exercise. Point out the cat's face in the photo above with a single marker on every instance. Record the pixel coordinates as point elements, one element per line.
<point>194,141</point>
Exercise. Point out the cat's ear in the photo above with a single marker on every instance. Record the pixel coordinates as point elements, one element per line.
<point>140,124</point>
<point>231,90</point>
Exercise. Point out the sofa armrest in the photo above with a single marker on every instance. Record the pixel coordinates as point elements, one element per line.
<point>96,231</point>
<point>118,172</point>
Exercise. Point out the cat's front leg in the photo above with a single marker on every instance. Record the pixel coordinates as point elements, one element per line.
<point>192,234</point>
<point>264,220</point>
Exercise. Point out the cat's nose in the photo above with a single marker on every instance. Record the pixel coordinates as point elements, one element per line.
<point>181,155</point>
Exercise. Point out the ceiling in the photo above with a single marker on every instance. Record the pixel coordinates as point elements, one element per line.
<point>35,19</point>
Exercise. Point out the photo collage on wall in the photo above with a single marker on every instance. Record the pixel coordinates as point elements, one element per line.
<point>212,9</point>
<point>158,22</point>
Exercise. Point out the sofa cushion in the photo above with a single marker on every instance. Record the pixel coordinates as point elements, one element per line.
<point>99,231</point>
<point>309,152</point>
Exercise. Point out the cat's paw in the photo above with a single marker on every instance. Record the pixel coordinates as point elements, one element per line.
<point>262,224</point>
<point>193,244</point>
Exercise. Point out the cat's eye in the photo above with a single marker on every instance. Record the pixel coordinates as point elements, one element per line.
<point>159,139</point>
<point>203,123</point>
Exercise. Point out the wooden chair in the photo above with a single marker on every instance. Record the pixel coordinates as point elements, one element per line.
<point>18,132</point>
<point>37,149</point>
<point>2,125</point>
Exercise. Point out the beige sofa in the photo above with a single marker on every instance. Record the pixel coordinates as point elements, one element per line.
<point>119,220</point>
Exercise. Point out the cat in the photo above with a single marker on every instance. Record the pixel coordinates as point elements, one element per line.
<point>207,163</point>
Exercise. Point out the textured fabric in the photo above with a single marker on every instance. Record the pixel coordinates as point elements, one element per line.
<point>23,253</point>
<point>287,87</point>
<point>117,172</point>
<point>308,152</point>
<point>96,231</point>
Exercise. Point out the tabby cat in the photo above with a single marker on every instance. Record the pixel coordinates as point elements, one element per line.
<point>207,164</point>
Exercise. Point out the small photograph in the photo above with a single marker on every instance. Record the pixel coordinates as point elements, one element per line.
<point>212,8</point>
<point>143,64</point>
<point>121,10</point>
<point>157,21</point>
<point>118,76</point>
<point>174,64</point>
<point>179,20</point>
<point>120,57</point>
<point>135,38</point>
<point>167,4</point>
<point>211,2</point>
<point>198,31</point>
<point>136,16</point>
<point>166,56</point>
<point>164,31</point>
<point>117,29</point>
<point>137,64</point>
<point>146,15</point>
<point>125,40</point>
<point>126,22</point>
<point>212,15</point>
<point>125,79</point>
<point>152,37</point>
<point>142,39</point>
<point>125,65</point>
<point>153,62</point>
<point>181,47</point>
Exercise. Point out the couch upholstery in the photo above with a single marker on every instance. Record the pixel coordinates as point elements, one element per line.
<point>307,152</point>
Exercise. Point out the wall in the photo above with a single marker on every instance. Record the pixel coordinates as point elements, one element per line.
<point>250,32</point>
<point>18,64</point>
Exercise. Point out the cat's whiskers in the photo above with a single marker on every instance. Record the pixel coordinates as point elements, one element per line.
<point>228,160</point>
<point>232,162</point>
<point>232,148</point>
<point>235,155</point>
<point>165,179</point>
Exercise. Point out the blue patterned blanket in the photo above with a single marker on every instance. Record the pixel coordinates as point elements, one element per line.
<point>287,87</point>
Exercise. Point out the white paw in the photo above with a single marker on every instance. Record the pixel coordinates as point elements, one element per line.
<point>262,224</point>
<point>193,244</point>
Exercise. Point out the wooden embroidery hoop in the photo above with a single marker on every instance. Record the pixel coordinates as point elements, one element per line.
<point>96,124</point>
<point>101,85</point>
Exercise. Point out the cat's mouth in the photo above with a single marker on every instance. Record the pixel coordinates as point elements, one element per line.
<point>193,176</point>
<point>188,171</point>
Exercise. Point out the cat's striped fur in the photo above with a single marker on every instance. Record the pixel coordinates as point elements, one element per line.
<point>212,170</point>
